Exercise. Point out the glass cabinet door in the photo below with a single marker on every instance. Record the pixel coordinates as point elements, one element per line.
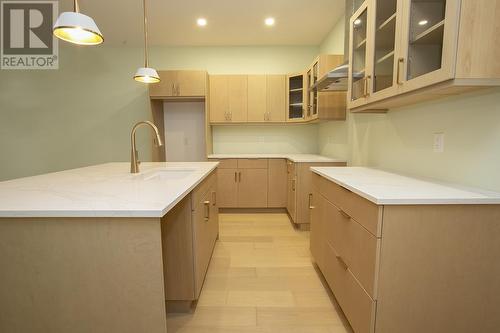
<point>429,42</point>
<point>313,93</point>
<point>384,44</point>
<point>296,100</point>
<point>358,70</point>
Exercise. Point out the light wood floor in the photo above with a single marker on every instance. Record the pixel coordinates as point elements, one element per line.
<point>261,279</point>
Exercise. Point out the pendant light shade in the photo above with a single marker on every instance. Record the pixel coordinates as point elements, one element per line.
<point>146,74</point>
<point>77,28</point>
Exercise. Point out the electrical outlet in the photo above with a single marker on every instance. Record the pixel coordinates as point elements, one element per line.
<point>262,139</point>
<point>438,145</point>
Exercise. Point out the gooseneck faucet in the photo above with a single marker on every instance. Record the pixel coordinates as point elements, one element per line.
<point>134,162</point>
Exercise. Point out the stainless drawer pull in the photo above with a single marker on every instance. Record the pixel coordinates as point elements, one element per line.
<point>344,214</point>
<point>310,201</point>
<point>342,262</point>
<point>207,210</point>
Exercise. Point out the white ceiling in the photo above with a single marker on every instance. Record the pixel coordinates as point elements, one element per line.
<point>230,22</point>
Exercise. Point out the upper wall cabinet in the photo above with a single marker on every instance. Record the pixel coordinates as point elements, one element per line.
<point>324,105</point>
<point>228,98</point>
<point>406,51</point>
<point>180,84</point>
<point>247,98</point>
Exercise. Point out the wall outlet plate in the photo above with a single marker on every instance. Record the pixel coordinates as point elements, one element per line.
<point>438,144</point>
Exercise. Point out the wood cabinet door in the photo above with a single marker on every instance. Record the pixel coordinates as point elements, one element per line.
<point>237,100</point>
<point>277,188</point>
<point>252,188</point>
<point>227,188</point>
<point>276,98</point>
<point>191,83</point>
<point>164,88</point>
<point>219,98</point>
<point>291,188</point>
<point>257,94</point>
<point>317,236</point>
<point>203,239</point>
<point>177,242</point>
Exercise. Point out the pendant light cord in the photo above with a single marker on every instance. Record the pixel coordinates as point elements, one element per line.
<point>145,36</point>
<point>76,6</point>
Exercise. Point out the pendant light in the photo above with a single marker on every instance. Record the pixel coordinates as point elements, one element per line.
<point>146,74</point>
<point>77,28</point>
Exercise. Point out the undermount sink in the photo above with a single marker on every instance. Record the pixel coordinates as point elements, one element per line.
<point>168,174</point>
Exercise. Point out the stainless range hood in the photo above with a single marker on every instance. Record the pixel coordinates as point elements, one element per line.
<point>336,79</point>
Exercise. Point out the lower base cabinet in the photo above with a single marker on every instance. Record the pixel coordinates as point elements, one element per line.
<point>300,189</point>
<point>407,268</point>
<point>189,232</point>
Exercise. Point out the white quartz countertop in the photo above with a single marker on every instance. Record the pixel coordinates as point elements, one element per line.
<point>297,158</point>
<point>385,188</point>
<point>106,190</point>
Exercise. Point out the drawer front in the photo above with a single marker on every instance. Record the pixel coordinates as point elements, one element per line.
<point>357,246</point>
<point>202,188</point>
<point>363,211</point>
<point>357,305</point>
<point>252,163</point>
<point>230,163</point>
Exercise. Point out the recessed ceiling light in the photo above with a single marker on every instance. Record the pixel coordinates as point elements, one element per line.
<point>357,22</point>
<point>423,22</point>
<point>201,22</point>
<point>269,21</point>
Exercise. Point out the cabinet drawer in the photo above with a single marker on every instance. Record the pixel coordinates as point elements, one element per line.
<point>199,192</point>
<point>252,163</point>
<point>230,163</point>
<point>357,246</point>
<point>357,305</point>
<point>363,211</point>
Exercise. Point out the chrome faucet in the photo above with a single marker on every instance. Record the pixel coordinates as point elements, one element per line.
<point>134,162</point>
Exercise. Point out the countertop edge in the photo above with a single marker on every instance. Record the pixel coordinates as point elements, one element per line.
<point>19,214</point>
<point>401,202</point>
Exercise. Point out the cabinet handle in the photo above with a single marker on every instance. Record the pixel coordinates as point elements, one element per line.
<point>207,210</point>
<point>239,176</point>
<point>398,74</point>
<point>235,177</point>
<point>342,262</point>
<point>310,201</point>
<point>344,214</point>
<point>367,78</point>
<point>214,198</point>
<point>293,184</point>
<point>173,90</point>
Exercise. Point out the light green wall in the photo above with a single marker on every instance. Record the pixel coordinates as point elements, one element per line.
<point>82,113</point>
<point>334,41</point>
<point>401,140</point>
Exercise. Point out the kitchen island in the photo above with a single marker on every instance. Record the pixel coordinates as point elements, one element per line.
<point>81,250</point>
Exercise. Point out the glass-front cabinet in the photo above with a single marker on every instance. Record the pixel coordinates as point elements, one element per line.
<point>359,80</point>
<point>428,43</point>
<point>297,90</point>
<point>397,46</point>
<point>384,55</point>
<point>313,75</point>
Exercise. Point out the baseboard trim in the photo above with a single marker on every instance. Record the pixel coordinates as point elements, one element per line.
<point>251,210</point>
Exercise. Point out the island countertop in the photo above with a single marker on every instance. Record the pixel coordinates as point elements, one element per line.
<point>386,188</point>
<point>105,190</point>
